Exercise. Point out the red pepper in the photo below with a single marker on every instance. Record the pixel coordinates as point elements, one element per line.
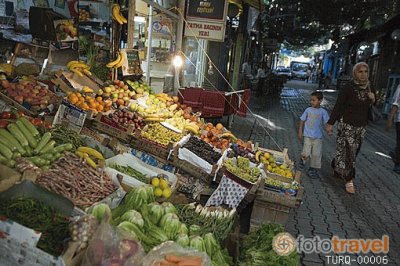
<point>3,123</point>
<point>37,122</point>
<point>5,115</point>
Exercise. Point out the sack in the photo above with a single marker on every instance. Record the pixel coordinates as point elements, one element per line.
<point>374,114</point>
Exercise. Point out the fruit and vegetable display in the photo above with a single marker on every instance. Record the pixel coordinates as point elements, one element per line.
<point>182,124</point>
<point>257,250</point>
<point>160,134</point>
<point>40,217</point>
<point>65,29</point>
<point>127,170</point>
<point>242,169</point>
<point>272,166</point>
<point>88,102</point>
<point>125,118</point>
<point>22,139</point>
<point>203,150</point>
<point>156,107</point>
<point>161,186</point>
<point>216,220</point>
<point>140,88</point>
<point>238,150</point>
<point>62,134</point>
<point>215,136</point>
<point>29,93</point>
<point>287,188</point>
<point>90,156</point>
<point>76,180</point>
<point>117,92</point>
<point>161,223</point>
<point>84,15</point>
<point>80,68</point>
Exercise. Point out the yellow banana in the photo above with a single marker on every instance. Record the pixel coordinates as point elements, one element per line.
<point>76,71</point>
<point>154,119</point>
<point>121,62</point>
<point>89,160</point>
<point>91,151</point>
<point>79,65</point>
<point>116,61</point>
<point>70,63</point>
<point>115,14</point>
<point>258,154</point>
<point>191,129</point>
<point>87,72</point>
<point>86,89</point>
<point>80,154</point>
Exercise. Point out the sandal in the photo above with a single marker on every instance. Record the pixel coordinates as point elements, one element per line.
<point>350,188</point>
<point>301,166</point>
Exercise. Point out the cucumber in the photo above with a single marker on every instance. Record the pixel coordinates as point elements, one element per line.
<point>37,161</point>
<point>18,135</point>
<point>16,155</point>
<point>8,144</point>
<point>8,137</point>
<point>48,147</point>
<point>6,152</point>
<point>47,156</point>
<point>62,147</point>
<point>32,129</point>
<point>45,139</point>
<point>29,151</point>
<point>31,140</point>
<point>3,159</point>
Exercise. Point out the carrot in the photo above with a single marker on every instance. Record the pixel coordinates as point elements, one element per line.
<point>173,258</point>
<point>167,263</point>
<point>190,263</point>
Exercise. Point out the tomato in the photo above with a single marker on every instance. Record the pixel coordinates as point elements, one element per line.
<point>37,122</point>
<point>5,115</point>
<point>3,123</point>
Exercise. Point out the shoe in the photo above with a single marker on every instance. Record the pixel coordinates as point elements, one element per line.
<point>396,169</point>
<point>313,173</point>
<point>350,188</point>
<point>302,165</point>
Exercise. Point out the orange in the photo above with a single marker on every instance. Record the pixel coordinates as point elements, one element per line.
<point>99,99</point>
<point>78,94</point>
<point>74,99</point>
<point>100,108</point>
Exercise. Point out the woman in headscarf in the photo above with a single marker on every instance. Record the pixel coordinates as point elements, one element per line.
<point>351,113</point>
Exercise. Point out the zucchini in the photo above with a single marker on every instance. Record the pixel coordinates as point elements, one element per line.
<point>47,156</point>
<point>63,147</point>
<point>45,139</point>
<point>10,138</point>
<point>3,159</point>
<point>49,146</point>
<point>8,144</point>
<point>5,151</point>
<point>37,161</point>
<point>29,151</point>
<point>32,129</point>
<point>31,140</point>
<point>10,163</point>
<point>18,135</point>
<point>16,155</point>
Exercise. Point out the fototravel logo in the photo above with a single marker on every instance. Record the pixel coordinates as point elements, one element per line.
<point>284,244</point>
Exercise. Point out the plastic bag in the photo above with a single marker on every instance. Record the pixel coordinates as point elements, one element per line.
<point>172,251</point>
<point>110,246</point>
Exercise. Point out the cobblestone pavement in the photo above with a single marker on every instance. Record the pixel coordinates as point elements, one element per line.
<point>327,209</point>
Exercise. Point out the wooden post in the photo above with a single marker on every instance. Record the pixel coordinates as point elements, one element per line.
<point>131,22</point>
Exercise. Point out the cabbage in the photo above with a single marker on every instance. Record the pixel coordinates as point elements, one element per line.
<point>169,207</point>
<point>197,243</point>
<point>183,229</point>
<point>156,212</point>
<point>129,230</point>
<point>133,217</point>
<point>101,211</point>
<point>211,244</point>
<point>183,240</point>
<point>170,224</point>
<point>195,229</point>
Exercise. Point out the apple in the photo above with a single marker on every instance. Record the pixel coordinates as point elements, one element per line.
<point>116,82</point>
<point>115,95</point>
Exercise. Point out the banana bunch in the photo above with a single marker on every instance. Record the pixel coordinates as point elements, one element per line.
<point>118,62</point>
<point>86,89</point>
<point>164,97</point>
<point>229,135</point>
<point>79,68</point>
<point>116,14</point>
<point>86,152</point>
<point>192,127</point>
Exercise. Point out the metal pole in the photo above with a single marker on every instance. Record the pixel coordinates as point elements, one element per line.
<point>149,44</point>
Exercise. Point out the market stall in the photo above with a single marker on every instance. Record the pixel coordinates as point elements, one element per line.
<point>115,172</point>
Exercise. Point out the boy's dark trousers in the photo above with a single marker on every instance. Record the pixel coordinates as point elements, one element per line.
<point>397,151</point>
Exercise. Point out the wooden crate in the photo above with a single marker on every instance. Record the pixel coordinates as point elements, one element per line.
<point>71,82</point>
<point>162,152</point>
<point>192,170</point>
<point>279,198</point>
<point>268,212</point>
<point>109,127</point>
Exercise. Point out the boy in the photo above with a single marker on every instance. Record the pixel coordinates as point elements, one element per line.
<point>311,121</point>
<point>395,110</point>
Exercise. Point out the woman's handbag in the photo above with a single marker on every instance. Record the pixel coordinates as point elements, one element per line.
<point>374,115</point>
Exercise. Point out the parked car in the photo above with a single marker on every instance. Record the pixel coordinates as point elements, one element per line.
<point>299,70</point>
<point>284,71</point>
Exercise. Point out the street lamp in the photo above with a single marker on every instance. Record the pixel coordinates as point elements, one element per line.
<point>395,35</point>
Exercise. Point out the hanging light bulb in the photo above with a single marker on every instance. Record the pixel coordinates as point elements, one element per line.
<point>210,70</point>
<point>177,61</point>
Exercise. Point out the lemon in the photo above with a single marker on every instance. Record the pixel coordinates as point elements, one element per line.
<point>266,155</point>
<point>166,193</point>
<point>269,168</point>
<point>271,159</point>
<point>163,184</point>
<point>155,182</point>
<point>158,192</point>
<point>283,167</point>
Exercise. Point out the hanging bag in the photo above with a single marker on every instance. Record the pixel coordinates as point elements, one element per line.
<point>374,115</point>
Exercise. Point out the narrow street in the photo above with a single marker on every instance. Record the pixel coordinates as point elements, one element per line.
<point>327,209</point>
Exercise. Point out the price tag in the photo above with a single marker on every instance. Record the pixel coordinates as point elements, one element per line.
<point>71,116</point>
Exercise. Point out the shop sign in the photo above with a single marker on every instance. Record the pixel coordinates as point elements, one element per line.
<point>206,19</point>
